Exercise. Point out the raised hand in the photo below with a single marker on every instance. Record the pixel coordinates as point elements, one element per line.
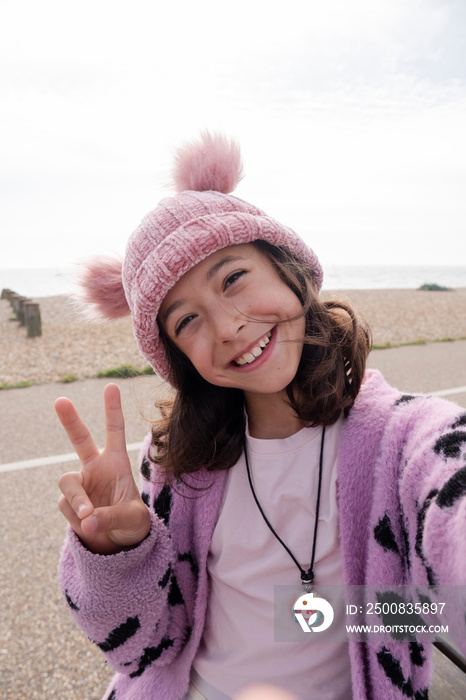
<point>101,501</point>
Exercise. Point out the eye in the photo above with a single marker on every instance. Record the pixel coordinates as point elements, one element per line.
<point>231,279</point>
<point>183,323</point>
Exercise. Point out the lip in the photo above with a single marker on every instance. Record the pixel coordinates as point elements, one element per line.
<point>259,361</point>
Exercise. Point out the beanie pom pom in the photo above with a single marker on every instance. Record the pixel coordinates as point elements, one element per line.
<point>212,163</point>
<point>101,295</point>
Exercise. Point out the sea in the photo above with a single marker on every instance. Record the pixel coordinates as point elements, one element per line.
<point>44,282</point>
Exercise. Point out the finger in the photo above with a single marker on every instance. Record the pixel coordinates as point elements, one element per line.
<point>76,430</point>
<point>126,523</point>
<point>115,439</point>
<point>95,544</point>
<point>66,510</point>
<point>70,485</point>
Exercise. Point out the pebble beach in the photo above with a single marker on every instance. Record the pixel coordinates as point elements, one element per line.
<point>70,345</point>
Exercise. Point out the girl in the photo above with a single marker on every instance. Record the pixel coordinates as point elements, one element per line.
<point>280,460</point>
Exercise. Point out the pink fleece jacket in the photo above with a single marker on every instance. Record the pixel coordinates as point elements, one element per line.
<point>402,506</point>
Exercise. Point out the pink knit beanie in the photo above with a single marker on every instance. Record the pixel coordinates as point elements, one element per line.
<point>183,230</point>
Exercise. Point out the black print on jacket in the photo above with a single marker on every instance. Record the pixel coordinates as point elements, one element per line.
<point>415,653</point>
<point>404,534</point>
<point>406,398</point>
<point>421,516</point>
<point>112,695</point>
<point>120,634</point>
<point>384,535</point>
<point>165,578</point>
<point>460,422</point>
<point>452,490</point>
<point>72,605</point>
<point>187,556</point>
<point>145,468</point>
<point>451,444</point>
<point>394,672</point>
<point>151,654</point>
<point>174,596</point>
<point>422,694</point>
<point>163,504</point>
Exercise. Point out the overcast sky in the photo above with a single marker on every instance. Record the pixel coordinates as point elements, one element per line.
<point>351,115</point>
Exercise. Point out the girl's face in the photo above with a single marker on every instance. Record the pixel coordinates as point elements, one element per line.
<point>234,318</point>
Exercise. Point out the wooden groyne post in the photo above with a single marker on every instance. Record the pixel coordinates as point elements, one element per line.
<point>32,319</point>
<point>26,311</point>
<point>20,310</point>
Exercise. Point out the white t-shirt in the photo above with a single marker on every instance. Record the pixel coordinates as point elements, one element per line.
<point>246,561</point>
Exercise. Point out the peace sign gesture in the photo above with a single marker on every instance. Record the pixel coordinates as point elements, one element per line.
<point>102,502</point>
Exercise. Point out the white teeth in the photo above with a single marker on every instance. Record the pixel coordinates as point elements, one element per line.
<point>256,351</point>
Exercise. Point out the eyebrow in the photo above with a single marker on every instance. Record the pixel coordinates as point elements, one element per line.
<point>212,271</point>
<point>224,261</point>
<point>173,307</point>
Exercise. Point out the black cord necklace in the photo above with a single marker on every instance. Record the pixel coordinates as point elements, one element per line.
<point>307,577</point>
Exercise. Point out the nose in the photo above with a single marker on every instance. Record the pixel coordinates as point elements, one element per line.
<point>227,323</point>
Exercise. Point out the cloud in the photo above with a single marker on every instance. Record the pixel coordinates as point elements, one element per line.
<point>351,115</point>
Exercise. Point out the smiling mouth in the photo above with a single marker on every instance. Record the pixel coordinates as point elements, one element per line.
<point>248,357</point>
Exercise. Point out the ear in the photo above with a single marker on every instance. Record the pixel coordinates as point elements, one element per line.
<point>101,294</point>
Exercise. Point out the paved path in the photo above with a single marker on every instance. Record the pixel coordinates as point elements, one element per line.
<point>425,368</point>
<point>42,654</point>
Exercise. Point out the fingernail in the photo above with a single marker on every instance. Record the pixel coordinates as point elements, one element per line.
<point>81,511</point>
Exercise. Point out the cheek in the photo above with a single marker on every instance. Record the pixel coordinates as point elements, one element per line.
<point>198,355</point>
<point>282,298</point>
<point>208,372</point>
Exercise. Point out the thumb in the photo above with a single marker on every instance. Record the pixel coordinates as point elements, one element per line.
<point>126,523</point>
